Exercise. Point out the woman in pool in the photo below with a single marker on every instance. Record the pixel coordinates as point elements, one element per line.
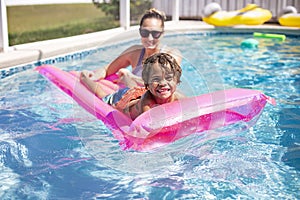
<point>151,31</point>
<point>161,74</point>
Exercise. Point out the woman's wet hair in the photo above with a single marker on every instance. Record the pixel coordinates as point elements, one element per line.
<point>165,61</point>
<point>154,13</point>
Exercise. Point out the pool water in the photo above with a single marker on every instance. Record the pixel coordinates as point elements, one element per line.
<point>50,148</point>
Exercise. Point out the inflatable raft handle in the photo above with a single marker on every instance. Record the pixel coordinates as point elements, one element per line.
<point>269,35</point>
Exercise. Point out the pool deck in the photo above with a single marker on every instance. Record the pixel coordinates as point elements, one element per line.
<point>33,52</point>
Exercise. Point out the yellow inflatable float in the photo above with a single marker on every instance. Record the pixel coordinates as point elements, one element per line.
<point>289,17</point>
<point>252,14</point>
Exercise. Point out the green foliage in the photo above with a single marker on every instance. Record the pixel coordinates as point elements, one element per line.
<point>31,23</point>
<point>62,31</point>
<point>42,22</point>
<point>137,8</point>
<point>111,8</point>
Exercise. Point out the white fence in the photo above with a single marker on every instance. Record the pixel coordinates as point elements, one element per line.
<point>193,8</point>
<point>174,8</point>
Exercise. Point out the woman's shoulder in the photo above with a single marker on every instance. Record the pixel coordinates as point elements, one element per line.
<point>134,48</point>
<point>132,52</point>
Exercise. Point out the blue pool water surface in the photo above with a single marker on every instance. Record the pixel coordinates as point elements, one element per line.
<point>50,148</point>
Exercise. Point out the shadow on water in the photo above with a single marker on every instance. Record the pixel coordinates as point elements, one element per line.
<point>289,123</point>
<point>291,137</point>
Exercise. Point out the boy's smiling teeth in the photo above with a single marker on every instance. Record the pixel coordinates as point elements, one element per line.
<point>163,90</point>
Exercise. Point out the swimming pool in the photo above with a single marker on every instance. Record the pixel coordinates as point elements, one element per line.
<point>50,148</point>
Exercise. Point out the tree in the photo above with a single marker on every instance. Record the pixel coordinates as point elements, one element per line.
<point>112,7</point>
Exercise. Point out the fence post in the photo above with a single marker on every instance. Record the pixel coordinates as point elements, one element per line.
<point>3,31</point>
<point>125,13</point>
<point>175,10</point>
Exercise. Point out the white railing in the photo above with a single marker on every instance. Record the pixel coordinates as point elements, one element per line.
<point>174,8</point>
<point>124,14</point>
<point>4,30</point>
<point>4,42</point>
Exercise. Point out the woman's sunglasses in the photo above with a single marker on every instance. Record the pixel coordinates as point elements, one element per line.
<point>155,34</point>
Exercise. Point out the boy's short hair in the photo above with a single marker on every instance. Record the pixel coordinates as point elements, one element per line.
<point>165,61</point>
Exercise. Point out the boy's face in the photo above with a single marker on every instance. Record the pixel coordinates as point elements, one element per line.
<point>162,82</point>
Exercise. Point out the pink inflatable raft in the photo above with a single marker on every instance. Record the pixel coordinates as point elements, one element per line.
<point>166,123</point>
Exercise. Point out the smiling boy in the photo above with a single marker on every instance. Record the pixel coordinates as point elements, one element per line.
<point>161,74</point>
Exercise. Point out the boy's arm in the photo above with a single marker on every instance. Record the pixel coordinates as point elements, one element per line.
<point>138,106</point>
<point>133,109</point>
<point>147,102</point>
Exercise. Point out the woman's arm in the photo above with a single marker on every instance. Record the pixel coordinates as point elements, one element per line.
<point>125,59</point>
<point>91,85</point>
